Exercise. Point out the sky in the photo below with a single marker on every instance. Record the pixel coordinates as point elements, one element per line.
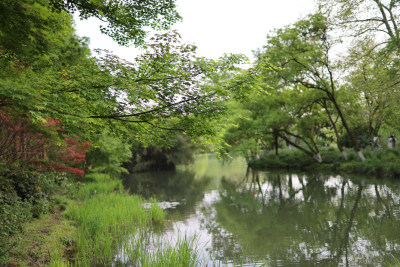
<point>215,26</point>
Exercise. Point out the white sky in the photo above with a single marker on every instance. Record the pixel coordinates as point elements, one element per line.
<point>216,26</point>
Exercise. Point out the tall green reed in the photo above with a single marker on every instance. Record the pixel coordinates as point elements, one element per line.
<point>105,215</point>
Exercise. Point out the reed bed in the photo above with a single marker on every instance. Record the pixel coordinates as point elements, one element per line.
<point>148,250</point>
<point>110,223</point>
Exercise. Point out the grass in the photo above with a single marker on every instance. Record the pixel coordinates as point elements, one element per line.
<point>99,184</point>
<point>150,251</point>
<point>50,237</point>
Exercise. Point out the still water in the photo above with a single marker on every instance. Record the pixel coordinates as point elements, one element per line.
<point>278,218</point>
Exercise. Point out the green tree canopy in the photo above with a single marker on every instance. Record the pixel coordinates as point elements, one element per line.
<point>127,20</point>
<point>29,27</point>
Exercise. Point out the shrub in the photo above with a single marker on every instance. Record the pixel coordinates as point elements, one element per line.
<point>39,188</point>
<point>13,213</point>
<point>329,157</point>
<point>286,159</point>
<point>394,170</point>
<point>353,157</point>
<point>378,162</point>
<point>367,154</point>
<point>24,195</point>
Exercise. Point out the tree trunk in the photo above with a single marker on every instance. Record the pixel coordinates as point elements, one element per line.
<point>338,141</point>
<point>276,144</point>
<point>318,157</point>
<point>310,153</point>
<point>346,126</point>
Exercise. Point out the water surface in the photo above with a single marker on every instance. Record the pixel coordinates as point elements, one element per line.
<point>284,219</point>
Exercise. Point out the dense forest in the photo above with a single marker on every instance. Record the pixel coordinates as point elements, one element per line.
<point>326,85</point>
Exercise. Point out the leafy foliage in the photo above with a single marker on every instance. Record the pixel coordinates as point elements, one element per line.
<point>108,156</point>
<point>13,213</point>
<point>23,196</point>
<point>154,157</point>
<point>127,20</point>
<point>29,30</point>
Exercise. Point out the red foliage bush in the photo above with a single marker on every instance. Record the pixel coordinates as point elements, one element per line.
<point>22,145</point>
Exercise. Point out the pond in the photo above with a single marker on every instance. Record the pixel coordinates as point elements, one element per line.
<point>278,218</point>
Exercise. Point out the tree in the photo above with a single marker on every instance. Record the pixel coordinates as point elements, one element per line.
<point>371,25</point>
<point>29,27</point>
<point>108,155</point>
<point>374,78</point>
<point>300,55</point>
<point>164,89</point>
<point>366,17</point>
<point>127,20</point>
<point>156,158</point>
<point>32,34</point>
<point>246,132</point>
<point>270,110</point>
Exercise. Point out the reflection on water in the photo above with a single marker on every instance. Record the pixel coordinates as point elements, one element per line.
<point>285,219</point>
<point>177,187</point>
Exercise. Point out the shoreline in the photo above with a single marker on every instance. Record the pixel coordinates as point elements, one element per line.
<point>378,163</point>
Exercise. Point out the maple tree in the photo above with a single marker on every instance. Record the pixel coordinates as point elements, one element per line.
<point>23,144</point>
